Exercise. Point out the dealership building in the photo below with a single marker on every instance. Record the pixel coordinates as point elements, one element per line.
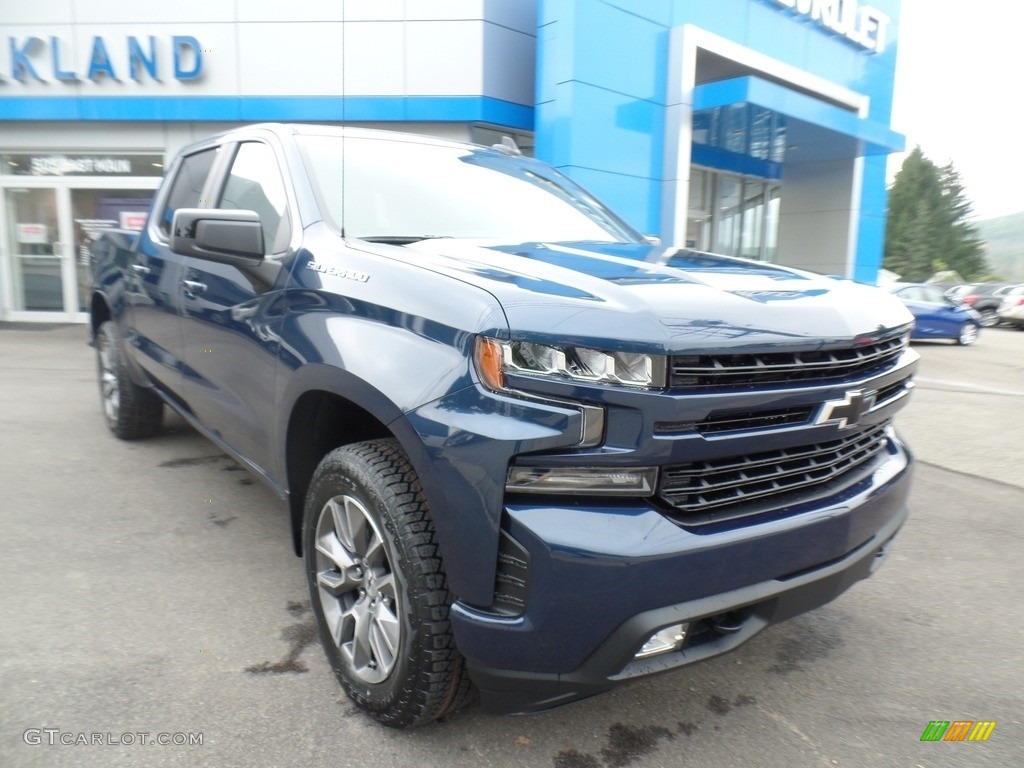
<point>756,128</point>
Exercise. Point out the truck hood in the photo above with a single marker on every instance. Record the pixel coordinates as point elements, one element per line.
<point>648,298</point>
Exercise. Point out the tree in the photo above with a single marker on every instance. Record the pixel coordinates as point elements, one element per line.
<point>928,226</point>
<point>966,248</point>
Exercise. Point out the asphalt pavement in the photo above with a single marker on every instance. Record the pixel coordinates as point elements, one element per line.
<point>148,592</point>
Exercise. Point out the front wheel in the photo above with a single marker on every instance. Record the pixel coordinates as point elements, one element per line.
<point>968,334</point>
<point>378,586</point>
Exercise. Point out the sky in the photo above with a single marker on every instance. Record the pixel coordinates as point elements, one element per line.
<point>960,95</point>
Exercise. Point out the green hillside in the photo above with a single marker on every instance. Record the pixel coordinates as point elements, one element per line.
<point>1004,245</point>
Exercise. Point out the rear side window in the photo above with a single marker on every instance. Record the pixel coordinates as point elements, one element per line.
<point>187,186</point>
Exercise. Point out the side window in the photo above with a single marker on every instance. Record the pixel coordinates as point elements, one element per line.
<point>187,185</point>
<point>255,184</point>
<point>914,294</point>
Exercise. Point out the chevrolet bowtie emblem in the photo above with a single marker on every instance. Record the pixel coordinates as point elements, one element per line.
<point>849,411</point>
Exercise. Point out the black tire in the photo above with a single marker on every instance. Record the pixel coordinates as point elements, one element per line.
<point>131,411</point>
<point>374,569</point>
<point>989,318</point>
<point>968,334</point>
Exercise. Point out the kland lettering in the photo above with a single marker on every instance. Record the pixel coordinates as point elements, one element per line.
<point>42,60</point>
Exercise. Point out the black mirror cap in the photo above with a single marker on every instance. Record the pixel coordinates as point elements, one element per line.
<point>218,234</point>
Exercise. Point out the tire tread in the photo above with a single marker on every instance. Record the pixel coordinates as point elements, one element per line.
<point>437,683</point>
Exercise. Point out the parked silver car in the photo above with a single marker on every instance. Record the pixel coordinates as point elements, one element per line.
<point>1011,311</point>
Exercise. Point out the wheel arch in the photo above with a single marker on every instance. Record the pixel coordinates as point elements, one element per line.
<point>326,408</point>
<point>99,312</point>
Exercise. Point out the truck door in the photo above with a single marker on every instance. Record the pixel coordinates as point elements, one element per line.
<point>232,314</point>
<point>154,273</point>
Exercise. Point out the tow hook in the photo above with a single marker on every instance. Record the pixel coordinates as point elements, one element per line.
<point>728,623</point>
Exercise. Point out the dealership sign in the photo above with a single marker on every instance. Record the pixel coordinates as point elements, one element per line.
<point>45,60</point>
<point>861,24</point>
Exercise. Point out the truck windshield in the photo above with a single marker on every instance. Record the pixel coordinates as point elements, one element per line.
<point>395,191</point>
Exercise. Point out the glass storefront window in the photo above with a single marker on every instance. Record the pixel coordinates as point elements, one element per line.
<point>771,223</point>
<point>728,215</point>
<point>53,205</point>
<point>742,220</point>
<point>734,125</point>
<point>742,129</point>
<point>752,229</point>
<point>698,222</point>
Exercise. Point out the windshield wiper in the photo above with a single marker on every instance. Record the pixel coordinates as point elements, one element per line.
<point>402,239</point>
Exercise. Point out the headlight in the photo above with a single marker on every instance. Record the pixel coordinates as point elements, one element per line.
<point>631,369</point>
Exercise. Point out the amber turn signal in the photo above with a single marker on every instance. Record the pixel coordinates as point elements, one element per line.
<point>488,358</point>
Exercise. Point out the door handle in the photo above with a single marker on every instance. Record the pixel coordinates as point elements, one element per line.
<point>193,286</point>
<point>139,269</point>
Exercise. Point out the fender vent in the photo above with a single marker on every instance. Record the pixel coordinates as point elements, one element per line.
<point>512,579</point>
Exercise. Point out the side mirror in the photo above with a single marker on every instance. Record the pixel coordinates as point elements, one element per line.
<point>218,234</point>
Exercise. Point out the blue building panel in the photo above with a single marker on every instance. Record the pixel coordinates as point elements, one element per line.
<point>871,227</point>
<point>631,131</point>
<point>616,42</point>
<point>723,17</point>
<point>658,11</point>
<point>603,78</point>
<point>774,34</point>
<point>785,101</point>
<point>633,197</point>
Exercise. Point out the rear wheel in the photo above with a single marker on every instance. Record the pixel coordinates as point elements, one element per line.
<point>989,318</point>
<point>378,586</point>
<point>131,411</point>
<point>968,334</point>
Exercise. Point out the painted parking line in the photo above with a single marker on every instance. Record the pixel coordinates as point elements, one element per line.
<point>921,380</point>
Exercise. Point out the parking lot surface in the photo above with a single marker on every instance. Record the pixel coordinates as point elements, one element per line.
<point>149,592</point>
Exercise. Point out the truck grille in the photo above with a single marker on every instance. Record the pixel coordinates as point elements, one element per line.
<point>739,421</point>
<point>753,370</point>
<point>719,489</point>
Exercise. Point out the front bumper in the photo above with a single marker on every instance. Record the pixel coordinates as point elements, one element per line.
<point>603,579</point>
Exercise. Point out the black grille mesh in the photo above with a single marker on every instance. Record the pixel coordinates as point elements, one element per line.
<point>752,370</point>
<point>716,488</point>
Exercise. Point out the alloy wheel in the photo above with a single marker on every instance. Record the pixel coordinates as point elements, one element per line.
<point>357,589</point>
<point>110,391</point>
<point>968,334</point>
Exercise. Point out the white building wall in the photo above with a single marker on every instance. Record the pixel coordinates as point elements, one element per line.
<point>272,48</point>
<point>816,215</point>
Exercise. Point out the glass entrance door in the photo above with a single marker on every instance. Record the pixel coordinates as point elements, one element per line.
<point>45,234</point>
<point>52,206</point>
<point>38,248</point>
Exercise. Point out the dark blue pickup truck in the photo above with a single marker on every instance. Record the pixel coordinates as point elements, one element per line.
<point>523,449</point>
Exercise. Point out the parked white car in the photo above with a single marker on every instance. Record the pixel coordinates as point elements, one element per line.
<point>1011,311</point>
